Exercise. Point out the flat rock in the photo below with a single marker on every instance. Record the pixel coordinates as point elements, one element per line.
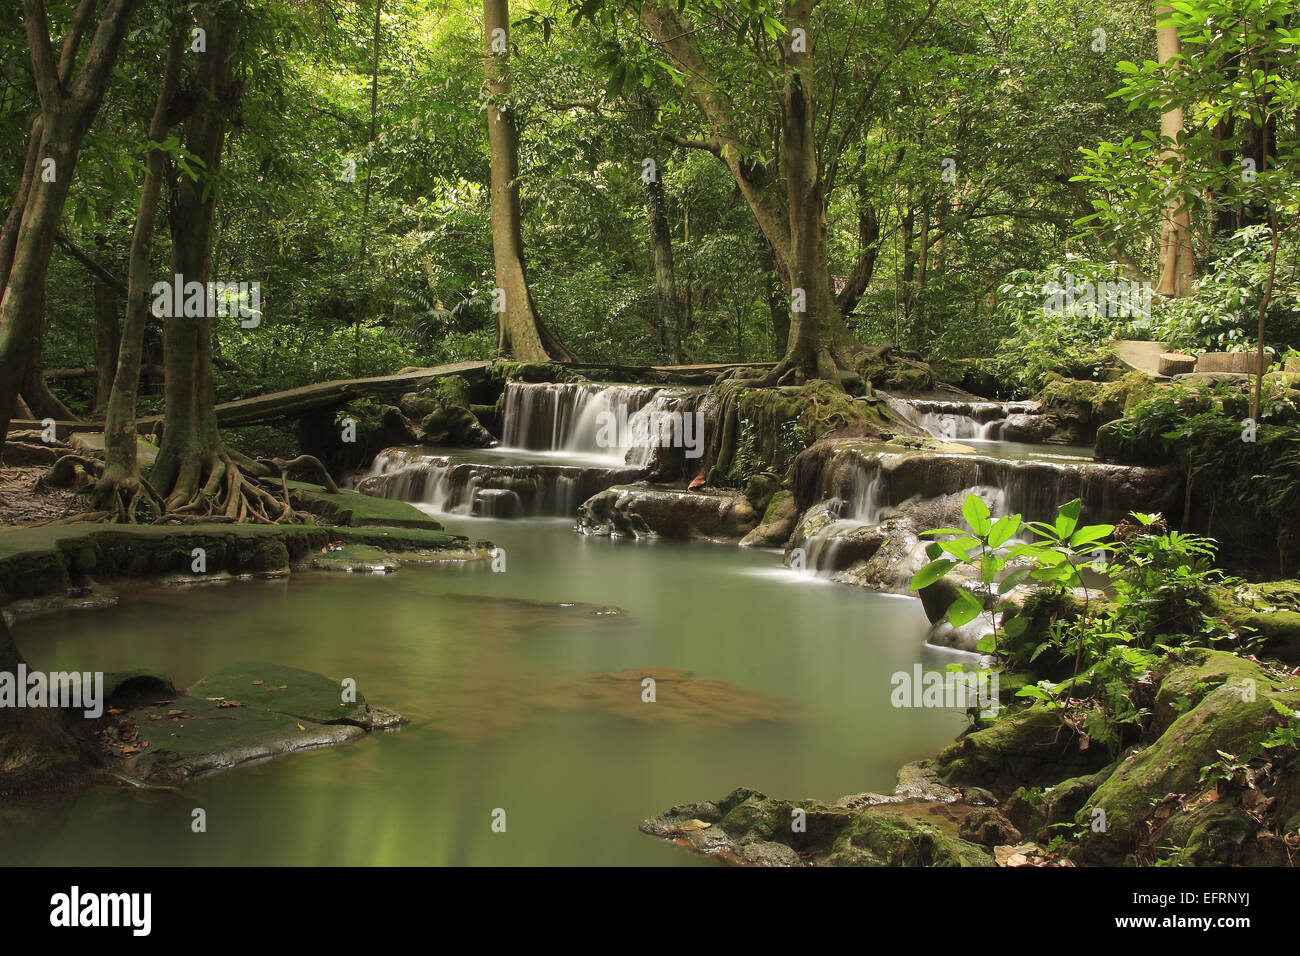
<point>245,712</point>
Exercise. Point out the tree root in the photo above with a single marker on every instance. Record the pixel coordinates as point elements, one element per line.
<point>229,493</point>
<point>72,471</point>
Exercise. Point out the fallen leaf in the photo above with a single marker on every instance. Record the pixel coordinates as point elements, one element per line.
<point>690,825</point>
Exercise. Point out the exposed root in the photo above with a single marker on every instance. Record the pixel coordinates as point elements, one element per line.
<point>72,471</point>
<point>229,492</point>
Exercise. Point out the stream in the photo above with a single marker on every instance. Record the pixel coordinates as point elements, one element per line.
<point>523,687</point>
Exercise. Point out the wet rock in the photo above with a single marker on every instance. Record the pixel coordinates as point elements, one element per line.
<point>988,827</point>
<point>777,524</point>
<point>645,511</point>
<point>245,712</point>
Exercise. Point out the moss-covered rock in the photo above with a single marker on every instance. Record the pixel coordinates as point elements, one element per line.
<point>1164,780</point>
<point>749,828</point>
<point>762,430</point>
<point>1268,612</point>
<point>1027,746</point>
<point>777,523</point>
<point>244,712</point>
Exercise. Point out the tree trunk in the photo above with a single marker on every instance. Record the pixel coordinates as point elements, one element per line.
<point>194,473</point>
<point>820,345</point>
<point>1176,262</point>
<point>521,332</point>
<point>36,744</point>
<point>35,393</point>
<point>661,245</point>
<point>68,106</point>
<point>868,251</point>
<point>120,489</point>
<point>108,332</point>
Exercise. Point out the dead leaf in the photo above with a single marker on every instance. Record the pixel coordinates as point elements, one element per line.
<point>690,825</point>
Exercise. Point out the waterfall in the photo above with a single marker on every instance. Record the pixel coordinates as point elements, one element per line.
<point>865,499</point>
<point>488,488</point>
<point>954,421</point>
<point>568,417</point>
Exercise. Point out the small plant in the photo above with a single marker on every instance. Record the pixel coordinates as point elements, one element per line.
<point>1051,560</point>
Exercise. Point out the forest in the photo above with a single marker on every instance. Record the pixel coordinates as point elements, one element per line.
<point>606,421</point>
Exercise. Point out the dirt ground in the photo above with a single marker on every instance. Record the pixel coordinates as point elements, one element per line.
<point>21,503</point>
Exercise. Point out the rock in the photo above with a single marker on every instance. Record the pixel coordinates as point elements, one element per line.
<point>753,829</point>
<point>1157,791</point>
<point>988,827</point>
<point>354,558</point>
<point>245,712</point>
<point>1175,363</point>
<point>1027,746</point>
<point>777,524</point>
<point>644,511</point>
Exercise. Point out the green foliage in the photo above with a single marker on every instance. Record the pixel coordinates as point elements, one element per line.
<point>1222,313</point>
<point>1071,340</point>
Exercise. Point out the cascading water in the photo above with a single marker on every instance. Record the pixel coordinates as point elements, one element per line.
<point>561,444</point>
<point>953,421</point>
<point>865,497</point>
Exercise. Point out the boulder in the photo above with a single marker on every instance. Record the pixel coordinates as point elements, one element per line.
<point>648,511</point>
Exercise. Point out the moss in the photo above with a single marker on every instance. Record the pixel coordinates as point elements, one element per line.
<point>1025,746</point>
<point>502,372</point>
<point>1267,612</point>
<point>1226,719</point>
<point>357,510</point>
<point>38,561</point>
<point>753,827</point>
<point>887,839</point>
<point>763,429</point>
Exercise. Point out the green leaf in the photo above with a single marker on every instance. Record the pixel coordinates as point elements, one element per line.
<point>930,573</point>
<point>965,609</point>
<point>1090,533</point>
<point>1003,530</point>
<point>1014,580</point>
<point>1015,626</point>
<point>1068,517</point>
<point>976,513</point>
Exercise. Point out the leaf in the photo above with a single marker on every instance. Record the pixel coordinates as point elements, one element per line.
<point>976,513</point>
<point>691,825</point>
<point>1015,626</point>
<point>965,609</point>
<point>1003,530</point>
<point>1068,517</point>
<point>1013,580</point>
<point>1090,533</point>
<point>931,572</point>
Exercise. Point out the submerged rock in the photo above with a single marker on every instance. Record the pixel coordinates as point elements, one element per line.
<point>242,713</point>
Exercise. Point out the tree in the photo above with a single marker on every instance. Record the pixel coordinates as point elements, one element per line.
<point>787,187</point>
<point>120,490</point>
<point>521,331</point>
<point>1176,259</point>
<point>68,103</point>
